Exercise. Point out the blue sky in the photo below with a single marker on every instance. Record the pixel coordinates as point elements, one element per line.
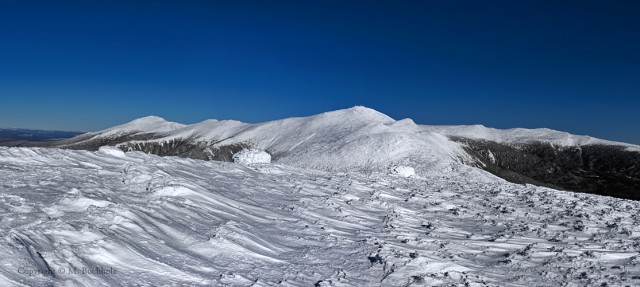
<point>88,65</point>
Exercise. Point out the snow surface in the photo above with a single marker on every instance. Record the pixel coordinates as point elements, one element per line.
<point>251,156</point>
<point>112,151</point>
<point>154,221</point>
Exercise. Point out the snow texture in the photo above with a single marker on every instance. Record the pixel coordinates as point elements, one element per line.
<point>144,220</point>
<point>250,156</point>
<point>111,151</point>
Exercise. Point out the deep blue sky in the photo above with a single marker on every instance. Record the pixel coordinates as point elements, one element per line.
<point>87,65</point>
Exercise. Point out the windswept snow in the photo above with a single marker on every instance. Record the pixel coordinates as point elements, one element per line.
<point>112,151</point>
<point>143,220</point>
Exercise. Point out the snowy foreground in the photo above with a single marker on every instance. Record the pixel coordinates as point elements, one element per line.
<point>78,218</point>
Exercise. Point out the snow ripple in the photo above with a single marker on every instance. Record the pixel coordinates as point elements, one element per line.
<point>171,221</point>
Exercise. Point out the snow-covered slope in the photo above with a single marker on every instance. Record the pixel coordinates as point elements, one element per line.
<point>107,218</point>
<point>147,125</point>
<point>520,135</point>
<point>350,139</point>
<point>209,130</point>
<point>354,138</point>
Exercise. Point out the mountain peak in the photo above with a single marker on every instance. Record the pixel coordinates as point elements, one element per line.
<point>365,110</point>
<point>358,113</point>
<point>148,124</point>
<point>148,119</point>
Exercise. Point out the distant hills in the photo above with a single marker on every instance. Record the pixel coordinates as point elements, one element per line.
<point>21,135</point>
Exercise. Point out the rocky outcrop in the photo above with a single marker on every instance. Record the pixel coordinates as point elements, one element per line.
<point>188,148</point>
<point>93,142</point>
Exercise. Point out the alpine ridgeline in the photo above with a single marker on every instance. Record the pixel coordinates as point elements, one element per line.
<point>363,139</point>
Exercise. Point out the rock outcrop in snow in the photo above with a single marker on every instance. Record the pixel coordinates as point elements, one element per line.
<point>404,171</point>
<point>251,156</point>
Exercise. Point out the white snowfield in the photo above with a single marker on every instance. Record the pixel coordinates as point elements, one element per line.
<point>79,218</point>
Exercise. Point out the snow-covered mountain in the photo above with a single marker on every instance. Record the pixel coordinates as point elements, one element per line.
<point>350,139</point>
<point>344,198</point>
<point>363,139</point>
<point>285,136</point>
<point>524,136</point>
<point>150,124</point>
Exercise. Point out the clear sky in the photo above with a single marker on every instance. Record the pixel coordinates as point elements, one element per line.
<point>88,65</point>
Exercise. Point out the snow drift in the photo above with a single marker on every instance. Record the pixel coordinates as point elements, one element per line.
<point>111,151</point>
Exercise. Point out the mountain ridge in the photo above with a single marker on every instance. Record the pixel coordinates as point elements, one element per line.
<point>477,131</point>
<point>363,139</point>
